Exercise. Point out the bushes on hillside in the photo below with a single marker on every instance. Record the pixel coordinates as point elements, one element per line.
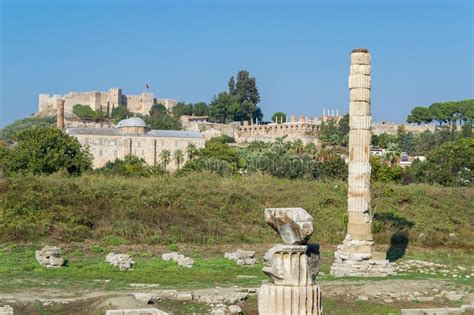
<point>7,133</point>
<point>450,164</point>
<point>41,150</point>
<point>86,113</point>
<point>206,208</point>
<point>130,166</point>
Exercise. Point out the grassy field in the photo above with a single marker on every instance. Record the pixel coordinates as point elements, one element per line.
<point>208,209</point>
<point>86,267</point>
<point>86,271</point>
<point>203,216</point>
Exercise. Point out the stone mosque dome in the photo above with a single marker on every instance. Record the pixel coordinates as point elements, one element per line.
<point>131,122</point>
<point>132,125</point>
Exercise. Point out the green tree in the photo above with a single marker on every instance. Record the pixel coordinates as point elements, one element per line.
<point>451,164</point>
<point>425,142</point>
<point>119,113</point>
<point>246,88</point>
<point>165,158</point>
<point>42,150</point>
<point>181,109</point>
<point>328,132</point>
<point>420,115</point>
<point>130,166</point>
<point>84,112</point>
<point>223,108</point>
<point>383,172</point>
<point>7,133</point>
<point>191,150</point>
<point>231,86</point>
<point>200,109</point>
<point>215,149</point>
<point>158,109</point>
<point>392,153</point>
<point>279,117</point>
<point>159,118</point>
<point>384,139</point>
<point>178,157</point>
<point>343,130</point>
<point>405,140</point>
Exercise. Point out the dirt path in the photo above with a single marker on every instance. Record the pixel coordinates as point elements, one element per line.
<point>426,293</point>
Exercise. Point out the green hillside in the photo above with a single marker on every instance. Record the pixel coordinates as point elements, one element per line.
<point>206,208</point>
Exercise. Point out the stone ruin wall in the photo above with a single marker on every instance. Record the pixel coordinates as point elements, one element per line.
<point>392,128</point>
<point>211,130</point>
<point>304,131</point>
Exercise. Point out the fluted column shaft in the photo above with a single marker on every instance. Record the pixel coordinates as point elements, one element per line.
<point>360,225</point>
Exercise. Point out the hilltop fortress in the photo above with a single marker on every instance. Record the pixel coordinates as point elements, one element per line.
<point>105,101</point>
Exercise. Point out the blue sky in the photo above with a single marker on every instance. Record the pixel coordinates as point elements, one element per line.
<point>422,51</point>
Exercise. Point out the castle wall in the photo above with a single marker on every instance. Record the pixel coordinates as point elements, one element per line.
<point>392,128</point>
<point>166,102</point>
<point>141,103</point>
<point>211,130</point>
<point>292,131</point>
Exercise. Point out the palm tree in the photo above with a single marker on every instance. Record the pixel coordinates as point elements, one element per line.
<point>392,154</point>
<point>311,148</point>
<point>191,150</point>
<point>298,146</point>
<point>165,157</point>
<point>178,156</point>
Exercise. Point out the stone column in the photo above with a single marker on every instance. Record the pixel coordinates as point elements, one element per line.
<point>60,115</point>
<point>292,266</point>
<point>355,256</point>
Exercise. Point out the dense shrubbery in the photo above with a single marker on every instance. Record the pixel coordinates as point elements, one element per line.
<point>130,166</point>
<point>451,164</point>
<point>8,132</point>
<point>418,143</point>
<point>206,208</point>
<point>41,150</point>
<point>284,159</point>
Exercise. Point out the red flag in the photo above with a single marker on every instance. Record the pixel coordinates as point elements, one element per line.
<point>147,86</point>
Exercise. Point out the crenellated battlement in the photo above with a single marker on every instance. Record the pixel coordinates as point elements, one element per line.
<point>102,100</point>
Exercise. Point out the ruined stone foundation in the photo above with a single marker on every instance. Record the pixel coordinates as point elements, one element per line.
<point>293,291</point>
<point>355,256</point>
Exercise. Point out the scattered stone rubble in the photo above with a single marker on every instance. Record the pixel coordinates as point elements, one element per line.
<point>242,257</point>
<point>135,311</point>
<point>6,310</point>
<point>218,296</point>
<point>123,261</point>
<point>398,290</point>
<point>220,300</point>
<point>146,298</point>
<point>464,309</point>
<point>431,268</point>
<point>178,258</point>
<point>49,256</point>
<point>292,266</point>
<point>221,309</point>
